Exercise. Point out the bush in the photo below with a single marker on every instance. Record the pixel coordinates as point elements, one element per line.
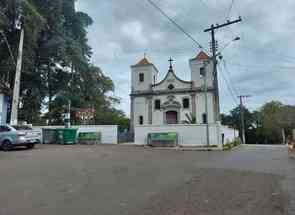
<point>230,145</point>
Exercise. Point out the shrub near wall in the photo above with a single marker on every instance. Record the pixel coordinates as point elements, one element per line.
<point>230,145</point>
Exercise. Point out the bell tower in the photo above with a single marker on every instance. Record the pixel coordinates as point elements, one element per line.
<point>143,75</point>
<point>199,66</point>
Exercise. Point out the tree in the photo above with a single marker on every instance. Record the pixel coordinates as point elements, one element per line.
<point>271,126</point>
<point>233,120</point>
<point>56,61</point>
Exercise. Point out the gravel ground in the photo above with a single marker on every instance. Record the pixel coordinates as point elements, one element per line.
<point>110,180</point>
<point>220,192</point>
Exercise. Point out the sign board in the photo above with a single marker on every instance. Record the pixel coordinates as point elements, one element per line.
<point>163,139</point>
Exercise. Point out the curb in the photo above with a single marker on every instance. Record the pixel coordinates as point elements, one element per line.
<point>183,148</point>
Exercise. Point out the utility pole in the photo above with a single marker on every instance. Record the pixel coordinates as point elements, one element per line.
<point>206,104</point>
<point>243,117</point>
<point>16,88</point>
<point>214,58</point>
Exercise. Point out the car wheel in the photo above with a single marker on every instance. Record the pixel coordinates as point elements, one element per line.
<point>6,145</point>
<point>31,146</point>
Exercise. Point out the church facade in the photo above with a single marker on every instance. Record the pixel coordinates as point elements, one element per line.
<point>173,100</point>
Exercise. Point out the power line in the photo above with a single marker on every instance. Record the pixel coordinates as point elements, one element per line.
<point>229,88</point>
<point>229,77</point>
<point>230,9</point>
<point>175,23</point>
<point>263,67</point>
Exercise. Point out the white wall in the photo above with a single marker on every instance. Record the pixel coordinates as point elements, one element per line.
<point>188,135</point>
<point>201,108</point>
<point>109,133</point>
<point>195,66</point>
<point>171,79</point>
<point>140,109</point>
<point>149,72</point>
<point>230,134</point>
<point>158,115</point>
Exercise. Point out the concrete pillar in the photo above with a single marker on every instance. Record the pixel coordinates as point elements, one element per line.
<point>131,114</point>
<point>194,105</point>
<point>150,110</point>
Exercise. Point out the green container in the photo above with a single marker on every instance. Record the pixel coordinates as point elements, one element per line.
<point>89,138</point>
<point>66,136</point>
<point>49,136</point>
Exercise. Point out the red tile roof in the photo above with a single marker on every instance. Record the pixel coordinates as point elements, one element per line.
<point>202,56</point>
<point>143,62</point>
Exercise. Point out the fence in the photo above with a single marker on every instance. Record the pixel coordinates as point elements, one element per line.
<point>109,133</point>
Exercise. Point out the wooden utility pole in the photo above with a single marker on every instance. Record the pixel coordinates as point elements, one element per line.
<point>243,117</point>
<point>214,58</point>
<point>16,88</point>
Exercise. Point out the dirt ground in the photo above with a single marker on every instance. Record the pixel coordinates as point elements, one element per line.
<point>110,180</point>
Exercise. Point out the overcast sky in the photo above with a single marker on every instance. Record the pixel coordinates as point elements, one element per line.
<point>262,63</point>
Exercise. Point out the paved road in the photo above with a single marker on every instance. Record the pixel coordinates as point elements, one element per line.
<point>111,180</point>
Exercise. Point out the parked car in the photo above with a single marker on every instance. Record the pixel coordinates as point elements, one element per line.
<point>32,136</point>
<point>11,138</point>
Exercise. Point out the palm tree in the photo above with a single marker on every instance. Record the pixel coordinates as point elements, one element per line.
<point>190,118</point>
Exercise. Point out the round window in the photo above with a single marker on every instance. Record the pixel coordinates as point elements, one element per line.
<point>171,87</point>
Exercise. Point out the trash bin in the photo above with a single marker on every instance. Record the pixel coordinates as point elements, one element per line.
<point>66,136</point>
<point>49,136</point>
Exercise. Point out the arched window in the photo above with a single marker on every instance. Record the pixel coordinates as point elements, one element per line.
<point>171,87</point>
<point>185,103</point>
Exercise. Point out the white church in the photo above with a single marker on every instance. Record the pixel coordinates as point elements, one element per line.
<point>168,101</point>
<point>163,106</point>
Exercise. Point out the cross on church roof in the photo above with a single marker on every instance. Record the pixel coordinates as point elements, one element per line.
<point>171,61</point>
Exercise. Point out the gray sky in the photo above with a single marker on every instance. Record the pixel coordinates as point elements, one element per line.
<point>262,63</point>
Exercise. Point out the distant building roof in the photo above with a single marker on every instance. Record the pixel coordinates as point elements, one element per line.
<point>202,56</point>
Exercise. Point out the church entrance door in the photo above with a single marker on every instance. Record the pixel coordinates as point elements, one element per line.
<point>171,117</point>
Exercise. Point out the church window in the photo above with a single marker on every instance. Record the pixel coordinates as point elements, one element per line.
<point>185,103</point>
<point>171,87</point>
<point>141,77</point>
<point>140,120</point>
<point>202,72</point>
<point>204,117</point>
<point>157,104</point>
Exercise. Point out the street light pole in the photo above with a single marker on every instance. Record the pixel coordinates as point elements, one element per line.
<point>16,88</point>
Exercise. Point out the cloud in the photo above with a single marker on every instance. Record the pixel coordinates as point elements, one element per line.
<point>260,63</point>
<point>133,31</point>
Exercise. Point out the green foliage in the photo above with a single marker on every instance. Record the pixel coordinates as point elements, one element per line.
<point>56,62</point>
<point>190,118</point>
<point>265,125</point>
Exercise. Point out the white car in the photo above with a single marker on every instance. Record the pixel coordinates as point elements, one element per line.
<point>31,135</point>
<point>11,138</point>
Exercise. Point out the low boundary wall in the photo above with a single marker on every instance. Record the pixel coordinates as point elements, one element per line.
<point>109,133</point>
<point>188,135</point>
